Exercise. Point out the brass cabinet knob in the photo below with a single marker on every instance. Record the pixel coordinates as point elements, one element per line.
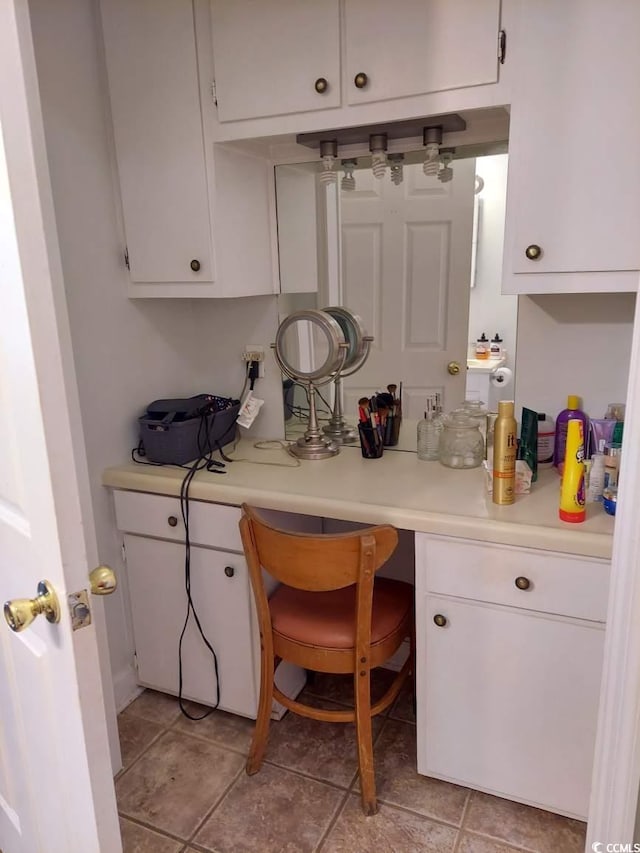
<point>533,252</point>
<point>172,521</point>
<point>454,368</point>
<point>103,580</point>
<point>440,620</point>
<point>523,583</point>
<point>229,571</point>
<point>20,612</point>
<point>361,80</point>
<point>321,85</point>
<point>195,265</point>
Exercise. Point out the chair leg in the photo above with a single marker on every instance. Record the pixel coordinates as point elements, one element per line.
<point>364,734</point>
<point>261,731</point>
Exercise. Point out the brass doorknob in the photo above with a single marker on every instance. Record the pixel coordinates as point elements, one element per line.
<point>103,580</point>
<point>533,252</point>
<point>321,85</point>
<point>454,368</point>
<point>360,80</point>
<point>20,612</point>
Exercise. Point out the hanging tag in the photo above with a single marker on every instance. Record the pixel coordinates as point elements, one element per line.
<point>249,410</point>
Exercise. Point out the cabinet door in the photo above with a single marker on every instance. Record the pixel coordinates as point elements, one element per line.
<point>269,55</point>
<point>156,578</point>
<point>413,47</point>
<point>508,701</point>
<point>155,105</point>
<point>573,142</point>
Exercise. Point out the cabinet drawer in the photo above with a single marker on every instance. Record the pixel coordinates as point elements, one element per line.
<point>215,525</point>
<point>555,583</point>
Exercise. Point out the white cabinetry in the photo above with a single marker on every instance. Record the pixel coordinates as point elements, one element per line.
<point>573,142</point>
<point>412,47</point>
<point>279,57</point>
<point>275,57</point>
<point>186,209</point>
<point>509,673</point>
<point>221,594</point>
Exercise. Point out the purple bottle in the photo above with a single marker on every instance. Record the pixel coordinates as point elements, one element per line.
<point>573,410</point>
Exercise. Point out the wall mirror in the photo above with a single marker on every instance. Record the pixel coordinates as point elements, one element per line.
<point>419,260</point>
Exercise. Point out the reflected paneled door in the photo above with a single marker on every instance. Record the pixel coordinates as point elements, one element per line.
<point>406,261</point>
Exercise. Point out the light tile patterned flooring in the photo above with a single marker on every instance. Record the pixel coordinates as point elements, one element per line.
<point>183,788</point>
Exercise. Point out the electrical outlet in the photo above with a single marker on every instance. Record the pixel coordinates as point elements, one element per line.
<point>254,353</point>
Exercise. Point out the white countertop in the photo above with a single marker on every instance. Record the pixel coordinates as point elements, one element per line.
<point>398,489</point>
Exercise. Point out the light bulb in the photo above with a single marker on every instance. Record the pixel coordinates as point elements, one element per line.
<point>446,173</point>
<point>378,148</point>
<point>431,163</point>
<point>395,163</point>
<point>348,183</point>
<point>328,155</point>
<point>432,140</point>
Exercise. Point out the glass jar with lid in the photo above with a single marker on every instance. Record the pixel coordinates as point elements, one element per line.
<point>461,442</point>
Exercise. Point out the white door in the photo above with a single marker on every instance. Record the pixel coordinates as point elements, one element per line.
<point>56,790</point>
<point>406,264</point>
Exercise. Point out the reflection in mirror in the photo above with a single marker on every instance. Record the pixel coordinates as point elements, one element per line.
<point>419,261</point>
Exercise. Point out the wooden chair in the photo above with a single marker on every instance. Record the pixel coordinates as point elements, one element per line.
<point>327,615</point>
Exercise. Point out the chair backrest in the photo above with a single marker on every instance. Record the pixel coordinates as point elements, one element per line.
<point>315,562</point>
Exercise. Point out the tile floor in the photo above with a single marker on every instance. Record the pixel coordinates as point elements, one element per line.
<point>183,789</point>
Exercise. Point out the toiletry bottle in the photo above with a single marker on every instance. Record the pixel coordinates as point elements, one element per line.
<point>574,411</point>
<point>504,454</point>
<point>483,346</point>
<point>572,489</point>
<point>546,438</point>
<point>496,346</point>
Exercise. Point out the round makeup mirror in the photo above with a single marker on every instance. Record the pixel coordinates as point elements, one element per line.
<point>359,343</point>
<point>311,349</point>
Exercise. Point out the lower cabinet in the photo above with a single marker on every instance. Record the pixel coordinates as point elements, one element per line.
<point>221,595</point>
<point>508,695</point>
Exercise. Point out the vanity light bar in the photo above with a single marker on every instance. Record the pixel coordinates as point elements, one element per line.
<point>449,123</point>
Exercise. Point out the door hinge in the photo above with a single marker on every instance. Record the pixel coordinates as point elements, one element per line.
<point>135,661</point>
<point>126,258</point>
<point>214,94</point>
<point>124,554</point>
<point>502,46</point>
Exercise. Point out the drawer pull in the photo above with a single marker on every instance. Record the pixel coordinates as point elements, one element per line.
<point>321,85</point>
<point>523,583</point>
<point>172,521</point>
<point>195,265</point>
<point>229,571</point>
<point>440,620</point>
<point>360,80</point>
<point>533,252</point>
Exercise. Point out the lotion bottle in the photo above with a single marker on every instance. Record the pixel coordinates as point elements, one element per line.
<point>573,410</point>
<point>504,454</point>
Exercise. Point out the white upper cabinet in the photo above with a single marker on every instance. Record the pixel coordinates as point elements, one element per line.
<point>157,123</point>
<point>573,205</point>
<point>412,47</point>
<point>286,57</point>
<point>188,206</point>
<point>275,57</point>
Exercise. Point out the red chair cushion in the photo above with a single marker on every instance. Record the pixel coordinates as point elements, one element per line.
<point>328,618</point>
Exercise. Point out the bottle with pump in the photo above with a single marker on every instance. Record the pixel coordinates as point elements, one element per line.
<point>483,346</point>
<point>496,346</point>
<point>504,454</point>
<point>429,430</point>
<point>573,411</point>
